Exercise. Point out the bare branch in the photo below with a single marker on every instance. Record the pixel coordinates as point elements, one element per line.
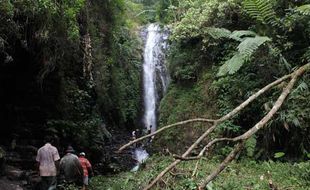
<point>227,116</point>
<point>277,105</point>
<point>241,138</point>
<point>144,11</point>
<point>211,143</point>
<point>216,123</point>
<point>223,165</point>
<point>253,97</point>
<point>164,128</point>
<point>167,169</point>
<point>258,126</point>
<point>196,168</point>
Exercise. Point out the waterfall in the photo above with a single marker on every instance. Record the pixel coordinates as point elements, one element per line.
<point>155,81</point>
<point>154,70</point>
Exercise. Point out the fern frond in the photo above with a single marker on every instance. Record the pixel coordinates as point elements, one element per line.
<point>306,56</point>
<point>304,9</point>
<point>250,45</point>
<point>261,10</point>
<point>232,65</point>
<point>239,34</point>
<point>217,33</point>
<point>245,50</point>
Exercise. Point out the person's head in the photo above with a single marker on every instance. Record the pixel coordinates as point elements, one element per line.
<point>70,149</point>
<point>82,154</point>
<point>48,139</point>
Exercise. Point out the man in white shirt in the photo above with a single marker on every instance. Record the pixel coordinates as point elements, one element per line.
<point>48,161</point>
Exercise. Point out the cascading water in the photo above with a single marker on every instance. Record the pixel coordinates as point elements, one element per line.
<point>155,81</point>
<point>154,70</point>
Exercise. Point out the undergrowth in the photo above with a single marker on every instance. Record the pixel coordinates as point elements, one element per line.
<point>243,174</point>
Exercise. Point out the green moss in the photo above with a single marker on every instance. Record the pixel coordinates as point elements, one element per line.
<point>185,101</point>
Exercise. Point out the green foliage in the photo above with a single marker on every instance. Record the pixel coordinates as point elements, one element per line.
<point>261,10</point>
<point>239,35</point>
<point>232,65</point>
<point>117,62</point>
<point>245,50</point>
<point>199,15</point>
<point>241,175</point>
<point>249,45</point>
<point>122,98</point>
<point>250,146</point>
<point>306,56</point>
<point>279,154</point>
<point>217,33</point>
<point>71,9</point>
<point>273,42</point>
<point>304,9</point>
<point>184,63</point>
<point>180,103</point>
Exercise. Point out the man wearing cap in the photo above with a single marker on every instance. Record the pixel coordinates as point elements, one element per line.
<point>71,168</point>
<point>86,167</point>
<point>48,162</point>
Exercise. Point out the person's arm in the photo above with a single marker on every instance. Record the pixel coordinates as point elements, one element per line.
<point>78,166</point>
<point>90,170</point>
<point>89,167</point>
<point>56,158</point>
<point>38,161</point>
<point>57,164</point>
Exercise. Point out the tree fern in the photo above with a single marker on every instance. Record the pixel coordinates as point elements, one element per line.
<point>261,10</point>
<point>238,35</point>
<point>250,45</point>
<point>250,42</point>
<point>217,33</point>
<point>304,9</point>
<point>245,50</point>
<point>306,56</point>
<point>232,65</point>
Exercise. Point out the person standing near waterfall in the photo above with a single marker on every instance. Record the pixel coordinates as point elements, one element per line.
<point>48,163</point>
<point>150,132</point>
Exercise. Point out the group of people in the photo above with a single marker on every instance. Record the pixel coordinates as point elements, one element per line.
<point>135,134</point>
<point>75,169</point>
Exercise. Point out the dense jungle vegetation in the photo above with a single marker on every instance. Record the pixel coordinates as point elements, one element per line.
<point>72,69</point>
<point>68,68</point>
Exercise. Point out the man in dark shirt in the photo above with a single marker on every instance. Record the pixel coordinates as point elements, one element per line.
<point>71,168</point>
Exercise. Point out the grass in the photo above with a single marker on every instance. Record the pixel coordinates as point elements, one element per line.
<point>245,174</point>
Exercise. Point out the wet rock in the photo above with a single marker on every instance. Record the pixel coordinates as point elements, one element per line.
<point>6,184</point>
<point>13,173</point>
